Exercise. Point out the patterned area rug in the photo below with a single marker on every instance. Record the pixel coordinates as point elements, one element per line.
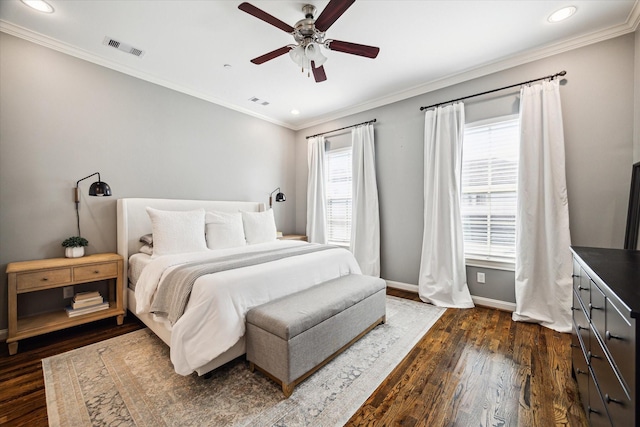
<point>129,381</point>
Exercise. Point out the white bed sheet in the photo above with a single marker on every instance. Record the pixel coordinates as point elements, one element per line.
<point>137,263</point>
<point>214,319</point>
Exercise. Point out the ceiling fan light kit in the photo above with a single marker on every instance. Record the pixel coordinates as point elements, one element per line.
<point>309,36</point>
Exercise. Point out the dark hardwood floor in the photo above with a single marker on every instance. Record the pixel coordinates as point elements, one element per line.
<point>474,367</point>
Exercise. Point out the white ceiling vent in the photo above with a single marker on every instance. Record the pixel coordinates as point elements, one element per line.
<point>258,101</point>
<point>108,41</point>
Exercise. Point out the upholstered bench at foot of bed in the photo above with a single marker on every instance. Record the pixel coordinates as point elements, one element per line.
<point>291,337</point>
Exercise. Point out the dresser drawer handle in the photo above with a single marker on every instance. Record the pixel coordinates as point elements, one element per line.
<point>609,399</point>
<point>96,272</point>
<point>580,371</point>
<point>575,308</point>
<point>591,410</point>
<point>610,336</point>
<point>583,327</point>
<point>593,307</point>
<point>44,279</point>
<point>580,288</point>
<point>575,275</point>
<point>594,356</point>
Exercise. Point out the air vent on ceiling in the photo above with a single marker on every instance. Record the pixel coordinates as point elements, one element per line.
<point>108,41</point>
<point>258,101</point>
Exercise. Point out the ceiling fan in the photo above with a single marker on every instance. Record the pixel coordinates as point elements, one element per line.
<point>309,35</point>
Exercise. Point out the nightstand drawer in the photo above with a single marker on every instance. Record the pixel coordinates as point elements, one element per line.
<point>42,279</point>
<point>95,272</point>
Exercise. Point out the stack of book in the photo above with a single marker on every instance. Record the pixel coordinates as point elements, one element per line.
<point>86,302</point>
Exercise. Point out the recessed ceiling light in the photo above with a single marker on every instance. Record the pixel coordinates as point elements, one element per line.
<point>295,112</point>
<point>562,14</point>
<point>39,5</point>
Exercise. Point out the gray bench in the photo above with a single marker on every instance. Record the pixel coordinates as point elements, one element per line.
<point>290,338</point>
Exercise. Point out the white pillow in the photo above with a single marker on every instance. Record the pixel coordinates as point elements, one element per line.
<point>177,232</point>
<point>146,249</point>
<point>259,227</point>
<point>224,230</point>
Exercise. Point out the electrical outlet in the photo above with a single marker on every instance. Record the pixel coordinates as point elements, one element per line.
<point>67,292</point>
<point>480,277</point>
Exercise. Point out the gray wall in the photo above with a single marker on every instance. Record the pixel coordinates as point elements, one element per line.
<point>636,145</point>
<point>598,100</point>
<point>63,118</point>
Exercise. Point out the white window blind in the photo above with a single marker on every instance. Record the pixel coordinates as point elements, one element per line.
<point>338,193</point>
<point>489,189</point>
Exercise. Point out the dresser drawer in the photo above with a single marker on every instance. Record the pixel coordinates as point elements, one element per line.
<point>596,411</point>
<point>95,272</point>
<point>580,369</point>
<point>597,309</point>
<point>42,279</point>
<point>584,288</point>
<point>582,326</point>
<point>620,340</point>
<point>619,407</point>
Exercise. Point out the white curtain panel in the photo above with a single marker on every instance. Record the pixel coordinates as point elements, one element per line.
<point>443,278</point>
<point>365,216</point>
<point>316,200</point>
<point>543,258</point>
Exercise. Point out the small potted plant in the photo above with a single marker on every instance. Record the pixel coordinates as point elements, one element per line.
<point>74,246</point>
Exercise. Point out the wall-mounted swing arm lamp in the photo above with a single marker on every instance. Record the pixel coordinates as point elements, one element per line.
<point>280,197</point>
<point>98,188</point>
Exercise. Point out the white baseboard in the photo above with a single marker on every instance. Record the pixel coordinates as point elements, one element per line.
<point>494,303</point>
<point>404,286</point>
<point>481,301</point>
<point>3,334</point>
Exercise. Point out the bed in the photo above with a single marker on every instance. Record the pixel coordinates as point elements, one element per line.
<point>210,330</point>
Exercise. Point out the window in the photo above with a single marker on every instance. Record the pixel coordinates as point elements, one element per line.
<point>489,190</point>
<point>338,193</point>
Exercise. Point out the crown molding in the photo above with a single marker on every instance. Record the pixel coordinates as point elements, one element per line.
<point>42,40</point>
<point>631,25</point>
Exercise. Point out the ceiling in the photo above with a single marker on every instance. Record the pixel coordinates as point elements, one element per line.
<point>203,48</point>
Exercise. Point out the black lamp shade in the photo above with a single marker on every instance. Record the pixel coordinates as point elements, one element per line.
<point>100,188</point>
<point>280,197</point>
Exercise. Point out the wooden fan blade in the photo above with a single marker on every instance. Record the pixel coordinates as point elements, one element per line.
<point>318,73</point>
<point>269,56</point>
<point>354,48</point>
<point>264,16</point>
<point>331,13</point>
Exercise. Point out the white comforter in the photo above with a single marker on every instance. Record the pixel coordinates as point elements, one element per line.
<point>214,319</point>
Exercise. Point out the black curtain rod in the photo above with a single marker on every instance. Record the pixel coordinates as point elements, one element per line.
<point>551,77</point>
<point>346,127</point>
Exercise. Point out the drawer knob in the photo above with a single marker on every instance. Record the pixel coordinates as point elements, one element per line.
<point>96,272</point>
<point>593,307</point>
<point>575,275</point>
<point>594,356</point>
<point>610,399</point>
<point>583,327</point>
<point>575,308</point>
<point>44,279</point>
<point>580,371</point>
<point>580,288</point>
<point>594,411</point>
<point>610,336</point>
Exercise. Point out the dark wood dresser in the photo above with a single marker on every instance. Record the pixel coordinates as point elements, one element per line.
<point>606,305</point>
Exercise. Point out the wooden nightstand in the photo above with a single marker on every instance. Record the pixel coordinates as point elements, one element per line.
<point>33,276</point>
<point>293,237</point>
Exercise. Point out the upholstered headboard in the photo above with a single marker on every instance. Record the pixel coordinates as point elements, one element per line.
<point>133,220</point>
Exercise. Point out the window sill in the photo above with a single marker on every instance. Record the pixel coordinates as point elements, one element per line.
<point>495,265</point>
